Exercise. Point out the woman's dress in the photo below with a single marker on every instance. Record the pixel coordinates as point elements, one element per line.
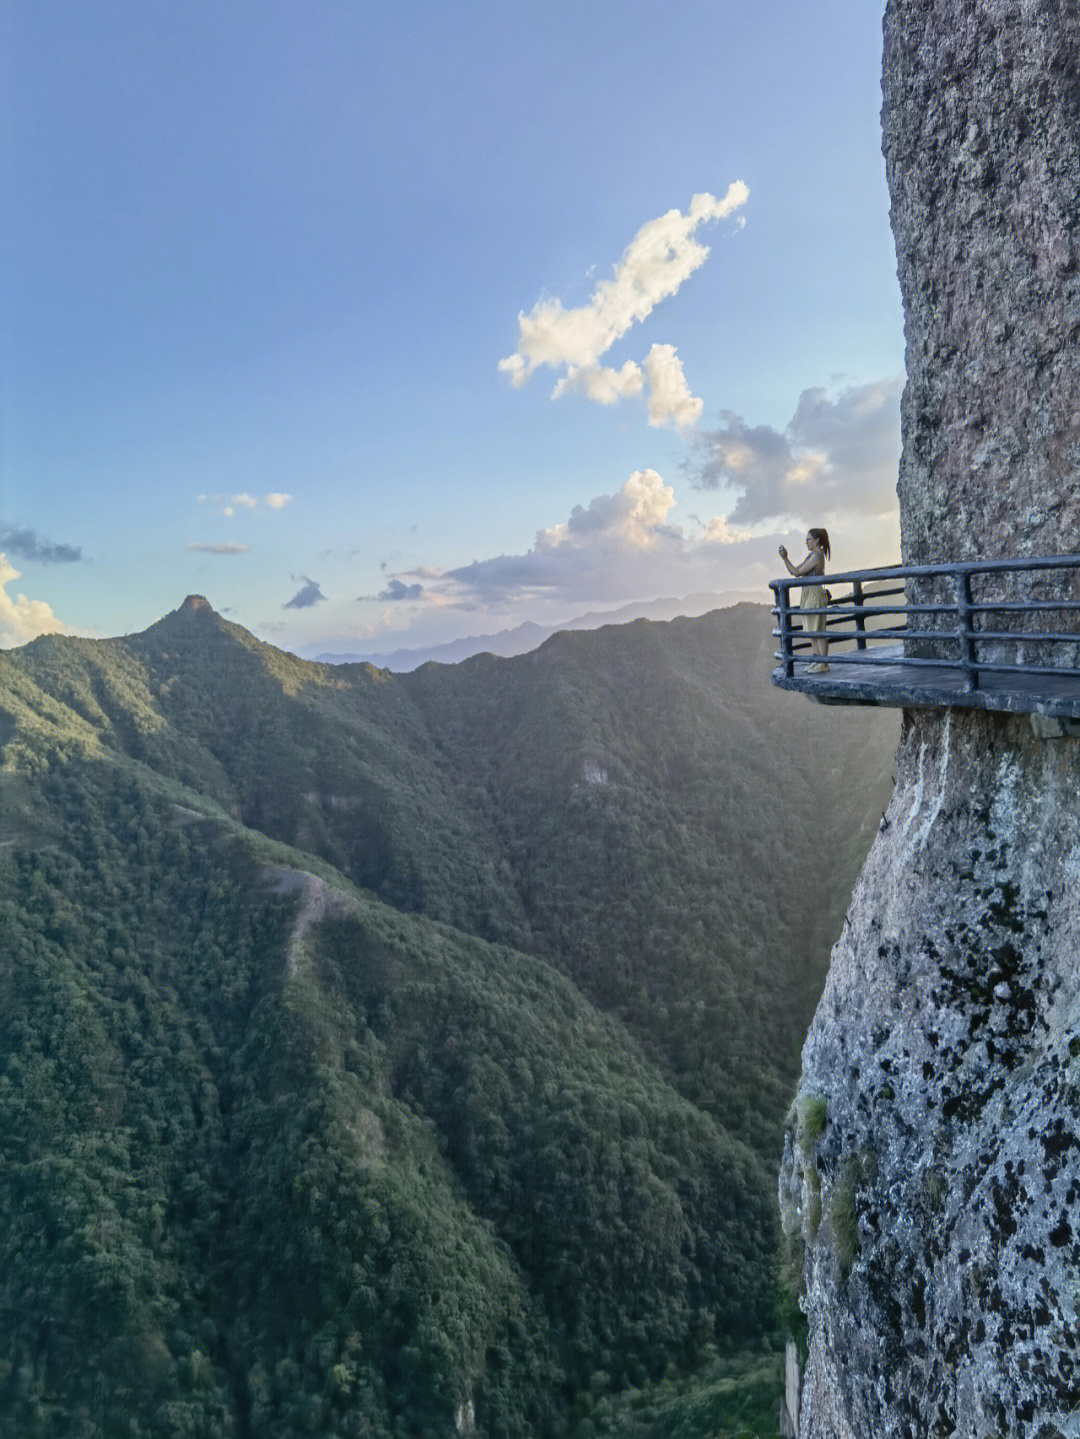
<point>813,598</point>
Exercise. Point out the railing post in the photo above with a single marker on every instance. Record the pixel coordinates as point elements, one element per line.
<point>860,618</point>
<point>965,633</point>
<point>783,614</point>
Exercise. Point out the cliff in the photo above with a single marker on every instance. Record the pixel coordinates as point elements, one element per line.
<point>981,125</point>
<point>931,1176</point>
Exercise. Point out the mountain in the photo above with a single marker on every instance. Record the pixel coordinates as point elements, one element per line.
<point>525,637</point>
<point>516,641</point>
<point>389,1054</point>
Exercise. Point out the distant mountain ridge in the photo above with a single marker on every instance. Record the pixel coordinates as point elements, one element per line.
<point>520,639</point>
<point>384,1054</point>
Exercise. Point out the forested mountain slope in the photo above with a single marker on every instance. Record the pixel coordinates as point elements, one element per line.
<point>384,1053</point>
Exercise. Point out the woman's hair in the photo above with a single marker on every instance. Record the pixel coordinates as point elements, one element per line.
<point>823,536</point>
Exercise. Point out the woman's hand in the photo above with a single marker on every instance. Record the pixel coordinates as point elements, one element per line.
<point>782,552</point>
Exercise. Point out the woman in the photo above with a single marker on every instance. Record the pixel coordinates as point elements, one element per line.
<point>813,596</point>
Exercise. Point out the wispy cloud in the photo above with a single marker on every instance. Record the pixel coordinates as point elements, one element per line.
<point>22,620</point>
<point>307,595</point>
<point>837,456</point>
<point>27,544</point>
<point>220,549</point>
<point>662,255</point>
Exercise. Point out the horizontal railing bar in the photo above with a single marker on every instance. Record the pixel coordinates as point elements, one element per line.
<point>893,634</point>
<point>1062,637</point>
<point>847,606</point>
<point>839,600</point>
<point>894,630</point>
<point>848,636</point>
<point>958,567</point>
<point>877,594</point>
<point>866,657</point>
<point>1041,636</point>
<point>880,662</point>
<point>801,638</point>
<point>1020,607</point>
<point>835,634</point>
<point>1070,671</point>
<point>841,607</point>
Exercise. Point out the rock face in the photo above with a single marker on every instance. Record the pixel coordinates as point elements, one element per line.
<point>981,121</point>
<point>931,1170</point>
<point>930,1189</point>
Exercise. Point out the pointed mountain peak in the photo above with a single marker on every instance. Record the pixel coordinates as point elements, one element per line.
<point>196,610</point>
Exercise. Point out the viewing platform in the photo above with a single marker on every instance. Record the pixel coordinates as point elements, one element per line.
<point>978,634</point>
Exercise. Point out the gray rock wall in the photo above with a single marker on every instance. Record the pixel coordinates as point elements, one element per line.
<point>932,1168</point>
<point>981,123</point>
<point>930,1189</point>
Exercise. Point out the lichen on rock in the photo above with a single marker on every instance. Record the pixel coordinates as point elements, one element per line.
<point>942,1276</point>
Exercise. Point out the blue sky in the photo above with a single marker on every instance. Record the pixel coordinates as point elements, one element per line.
<point>289,288</point>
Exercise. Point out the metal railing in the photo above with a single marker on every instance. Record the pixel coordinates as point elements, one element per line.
<point>945,609</point>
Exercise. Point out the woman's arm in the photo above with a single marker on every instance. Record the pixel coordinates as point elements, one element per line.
<point>814,564</point>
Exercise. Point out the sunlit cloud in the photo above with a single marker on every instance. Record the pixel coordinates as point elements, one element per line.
<point>662,255</point>
<point>618,546</point>
<point>837,457</point>
<point>670,400</point>
<point>605,386</point>
<point>277,501</point>
<point>22,620</point>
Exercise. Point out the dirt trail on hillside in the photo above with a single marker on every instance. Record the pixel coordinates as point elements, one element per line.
<point>319,901</point>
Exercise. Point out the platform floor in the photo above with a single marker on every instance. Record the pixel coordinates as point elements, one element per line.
<point>892,682</point>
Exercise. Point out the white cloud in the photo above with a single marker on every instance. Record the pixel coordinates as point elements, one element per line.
<point>670,400</point>
<point>229,504</point>
<point>631,518</point>
<point>597,382</point>
<point>717,531</point>
<point>662,255</point>
<point>21,619</point>
<point>837,457</point>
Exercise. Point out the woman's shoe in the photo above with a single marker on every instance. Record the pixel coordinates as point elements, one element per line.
<point>818,669</point>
